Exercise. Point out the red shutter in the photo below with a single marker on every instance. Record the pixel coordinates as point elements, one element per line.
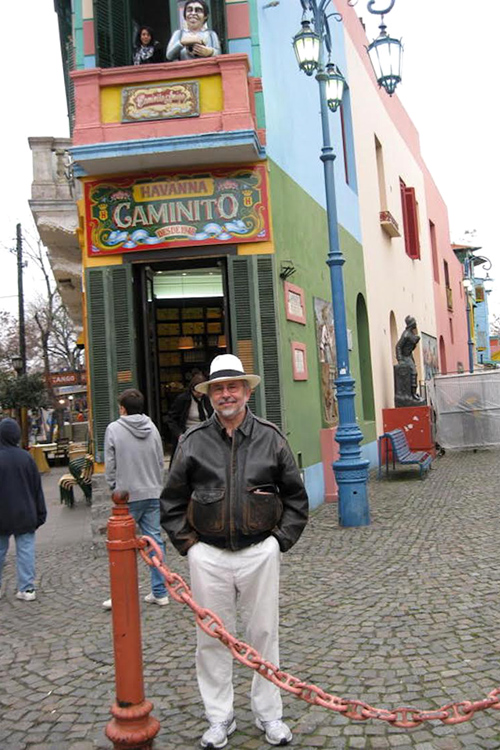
<point>410,215</point>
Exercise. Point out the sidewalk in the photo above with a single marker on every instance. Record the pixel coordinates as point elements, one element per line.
<point>403,612</point>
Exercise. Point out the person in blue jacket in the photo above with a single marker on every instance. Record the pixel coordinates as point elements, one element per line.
<point>22,507</point>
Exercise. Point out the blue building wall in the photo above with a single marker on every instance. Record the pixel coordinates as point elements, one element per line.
<point>292,108</point>
<point>481,324</point>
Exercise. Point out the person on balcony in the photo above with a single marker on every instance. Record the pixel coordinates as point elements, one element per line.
<point>147,49</point>
<point>194,41</point>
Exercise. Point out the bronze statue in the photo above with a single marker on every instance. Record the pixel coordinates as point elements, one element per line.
<point>405,372</point>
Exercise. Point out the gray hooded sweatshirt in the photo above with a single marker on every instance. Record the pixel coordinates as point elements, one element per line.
<point>133,456</point>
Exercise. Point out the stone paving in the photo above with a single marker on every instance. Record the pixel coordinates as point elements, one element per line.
<point>403,612</point>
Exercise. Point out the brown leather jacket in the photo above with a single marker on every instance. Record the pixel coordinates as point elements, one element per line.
<point>232,493</point>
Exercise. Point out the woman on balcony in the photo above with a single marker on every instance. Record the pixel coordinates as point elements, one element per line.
<point>195,40</point>
<point>146,49</point>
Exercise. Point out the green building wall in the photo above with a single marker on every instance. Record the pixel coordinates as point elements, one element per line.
<point>301,236</point>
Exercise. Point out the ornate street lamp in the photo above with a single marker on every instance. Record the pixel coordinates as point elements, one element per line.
<point>488,283</point>
<point>310,43</point>
<point>17,364</point>
<point>335,85</point>
<point>385,53</point>
<point>306,44</point>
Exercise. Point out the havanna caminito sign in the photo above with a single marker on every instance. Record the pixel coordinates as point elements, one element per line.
<point>165,210</point>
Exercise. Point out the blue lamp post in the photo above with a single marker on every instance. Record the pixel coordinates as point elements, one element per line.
<point>469,286</point>
<point>351,471</point>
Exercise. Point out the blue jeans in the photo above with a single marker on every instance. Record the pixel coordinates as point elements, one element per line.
<point>146,514</point>
<point>25,559</point>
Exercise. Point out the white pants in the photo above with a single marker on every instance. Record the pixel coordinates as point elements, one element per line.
<point>219,579</point>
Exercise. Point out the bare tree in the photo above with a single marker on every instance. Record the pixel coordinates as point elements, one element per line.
<point>57,335</point>
<point>495,326</point>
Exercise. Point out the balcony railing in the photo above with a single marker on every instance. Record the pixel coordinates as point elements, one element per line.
<point>224,118</point>
<point>389,224</point>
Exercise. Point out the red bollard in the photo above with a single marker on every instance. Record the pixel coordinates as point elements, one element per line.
<point>131,725</point>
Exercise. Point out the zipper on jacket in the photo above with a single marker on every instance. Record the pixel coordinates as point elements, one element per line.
<point>232,490</point>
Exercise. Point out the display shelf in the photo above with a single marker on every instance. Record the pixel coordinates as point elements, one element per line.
<point>202,321</point>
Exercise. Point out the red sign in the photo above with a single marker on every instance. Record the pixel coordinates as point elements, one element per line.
<point>67,378</point>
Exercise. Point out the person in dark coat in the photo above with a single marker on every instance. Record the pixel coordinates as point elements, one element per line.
<point>147,49</point>
<point>22,507</point>
<point>188,409</point>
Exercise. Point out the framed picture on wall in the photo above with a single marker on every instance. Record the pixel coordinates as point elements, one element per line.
<point>295,303</point>
<point>299,361</point>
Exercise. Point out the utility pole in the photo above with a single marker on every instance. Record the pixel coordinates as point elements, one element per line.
<point>22,327</point>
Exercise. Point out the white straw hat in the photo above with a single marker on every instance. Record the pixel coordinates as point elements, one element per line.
<point>226,367</point>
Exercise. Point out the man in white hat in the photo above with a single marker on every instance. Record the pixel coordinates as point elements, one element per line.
<point>234,500</point>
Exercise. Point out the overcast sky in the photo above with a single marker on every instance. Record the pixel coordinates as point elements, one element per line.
<point>447,90</point>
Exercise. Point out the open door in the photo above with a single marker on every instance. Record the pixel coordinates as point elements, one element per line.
<point>150,350</point>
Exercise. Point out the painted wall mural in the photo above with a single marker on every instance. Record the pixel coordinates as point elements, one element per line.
<point>430,354</point>
<point>325,337</point>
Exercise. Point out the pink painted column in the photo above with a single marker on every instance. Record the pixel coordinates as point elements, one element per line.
<point>329,454</point>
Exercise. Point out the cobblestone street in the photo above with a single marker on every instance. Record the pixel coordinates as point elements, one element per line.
<point>403,612</point>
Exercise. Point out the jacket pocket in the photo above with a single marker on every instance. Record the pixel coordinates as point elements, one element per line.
<point>262,509</point>
<point>206,512</point>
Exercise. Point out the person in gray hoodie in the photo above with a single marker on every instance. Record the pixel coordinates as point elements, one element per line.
<point>133,457</point>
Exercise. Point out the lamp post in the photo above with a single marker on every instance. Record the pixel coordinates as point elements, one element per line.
<point>19,365</point>
<point>468,286</point>
<point>351,471</point>
<point>471,260</point>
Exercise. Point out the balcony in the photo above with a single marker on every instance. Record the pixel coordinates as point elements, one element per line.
<point>389,224</point>
<point>53,196</point>
<point>219,128</point>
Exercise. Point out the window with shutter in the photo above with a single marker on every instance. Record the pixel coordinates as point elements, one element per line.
<point>254,329</point>
<point>111,344</point>
<point>112,23</point>
<point>410,221</point>
<point>63,10</point>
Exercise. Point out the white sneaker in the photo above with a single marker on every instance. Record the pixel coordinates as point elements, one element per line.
<point>26,596</point>
<point>152,599</point>
<point>217,734</point>
<point>277,732</point>
<point>107,604</point>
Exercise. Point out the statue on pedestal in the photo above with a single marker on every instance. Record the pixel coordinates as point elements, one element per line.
<point>405,372</point>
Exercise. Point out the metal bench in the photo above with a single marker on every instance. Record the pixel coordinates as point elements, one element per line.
<point>396,441</point>
<point>81,470</point>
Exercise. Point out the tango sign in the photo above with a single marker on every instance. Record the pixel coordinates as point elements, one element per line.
<point>176,210</point>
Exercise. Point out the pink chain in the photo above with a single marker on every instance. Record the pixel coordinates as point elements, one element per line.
<point>405,717</point>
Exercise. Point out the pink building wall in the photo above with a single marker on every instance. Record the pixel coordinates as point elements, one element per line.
<point>451,325</point>
<point>451,317</point>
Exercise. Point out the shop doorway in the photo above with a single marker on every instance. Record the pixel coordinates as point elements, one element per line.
<point>183,318</point>
<point>237,296</point>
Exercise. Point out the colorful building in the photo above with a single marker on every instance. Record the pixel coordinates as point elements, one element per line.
<point>192,198</point>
